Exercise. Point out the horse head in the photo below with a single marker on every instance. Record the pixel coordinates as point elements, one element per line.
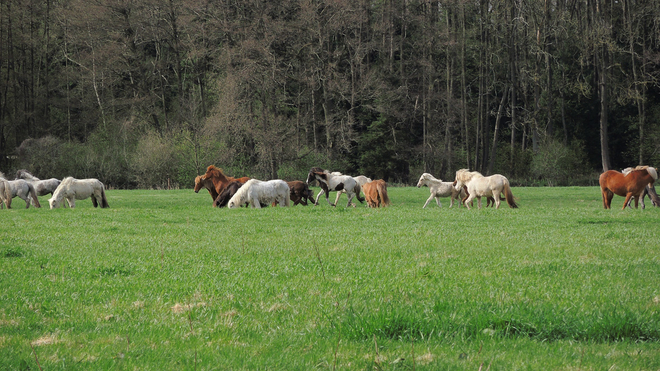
<point>312,174</point>
<point>198,183</point>
<point>424,179</point>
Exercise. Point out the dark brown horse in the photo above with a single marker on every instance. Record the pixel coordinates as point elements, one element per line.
<point>205,183</point>
<point>631,185</point>
<point>229,192</point>
<point>300,192</point>
<point>219,179</point>
<point>375,193</point>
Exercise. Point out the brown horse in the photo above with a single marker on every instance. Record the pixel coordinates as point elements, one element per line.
<point>219,179</point>
<point>230,190</point>
<point>631,185</point>
<point>300,192</point>
<point>205,183</point>
<point>375,193</point>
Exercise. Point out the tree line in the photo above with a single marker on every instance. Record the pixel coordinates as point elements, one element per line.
<point>148,93</point>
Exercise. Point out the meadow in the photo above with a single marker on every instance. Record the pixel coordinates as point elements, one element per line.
<point>163,281</point>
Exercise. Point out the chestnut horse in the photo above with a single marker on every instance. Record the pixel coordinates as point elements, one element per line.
<point>649,190</point>
<point>631,185</point>
<point>205,183</point>
<point>219,179</point>
<point>375,192</point>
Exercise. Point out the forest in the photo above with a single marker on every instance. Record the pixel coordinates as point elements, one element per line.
<point>147,94</point>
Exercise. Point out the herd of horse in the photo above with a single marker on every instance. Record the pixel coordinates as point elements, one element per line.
<point>28,187</point>
<point>633,184</point>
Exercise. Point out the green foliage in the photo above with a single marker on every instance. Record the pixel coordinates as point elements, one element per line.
<point>153,283</point>
<point>557,165</point>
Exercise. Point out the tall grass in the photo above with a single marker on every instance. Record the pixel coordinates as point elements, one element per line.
<point>161,280</point>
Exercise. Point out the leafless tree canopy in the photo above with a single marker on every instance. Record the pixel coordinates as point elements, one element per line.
<point>148,93</point>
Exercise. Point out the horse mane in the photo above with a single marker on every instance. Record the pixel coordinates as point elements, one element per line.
<point>652,172</point>
<point>215,171</point>
<point>24,174</point>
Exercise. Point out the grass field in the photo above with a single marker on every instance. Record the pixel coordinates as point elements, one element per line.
<point>162,281</point>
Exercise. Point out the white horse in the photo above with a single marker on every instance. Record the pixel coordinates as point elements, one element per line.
<point>41,186</point>
<point>79,189</point>
<point>484,186</point>
<point>24,190</point>
<point>5,192</point>
<point>360,180</point>
<point>439,189</point>
<point>330,182</point>
<point>649,190</point>
<point>257,192</point>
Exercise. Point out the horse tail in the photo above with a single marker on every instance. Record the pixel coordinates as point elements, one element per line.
<point>509,196</point>
<point>382,191</point>
<point>104,200</point>
<point>33,193</point>
<point>358,189</point>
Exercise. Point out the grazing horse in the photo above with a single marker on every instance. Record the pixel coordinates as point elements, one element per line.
<point>329,182</point>
<point>230,190</point>
<point>631,185</point>
<point>41,186</point>
<point>79,189</point>
<point>375,193</point>
<point>648,190</point>
<point>205,183</point>
<point>300,192</point>
<point>484,186</point>
<point>438,189</point>
<point>5,192</point>
<point>257,192</point>
<point>219,179</point>
<point>24,190</point>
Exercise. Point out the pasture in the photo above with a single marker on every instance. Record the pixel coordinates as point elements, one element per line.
<point>163,281</point>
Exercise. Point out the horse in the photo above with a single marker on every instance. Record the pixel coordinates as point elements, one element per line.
<point>230,190</point>
<point>219,179</point>
<point>438,189</point>
<point>299,192</point>
<point>257,192</point>
<point>631,185</point>
<point>79,189</point>
<point>5,192</point>
<point>24,190</point>
<point>330,182</point>
<point>205,183</point>
<point>375,192</point>
<point>360,180</point>
<point>41,186</point>
<point>648,190</point>
<point>484,186</point>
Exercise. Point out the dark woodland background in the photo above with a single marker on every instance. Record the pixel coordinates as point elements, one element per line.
<point>145,93</point>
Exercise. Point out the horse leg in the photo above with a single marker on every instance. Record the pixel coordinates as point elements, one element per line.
<point>72,202</point>
<point>496,200</point>
<point>607,198</point>
<point>479,202</point>
<point>337,198</point>
<point>628,196</point>
<point>468,201</point>
<point>316,202</point>
<point>437,201</point>
<point>350,198</point>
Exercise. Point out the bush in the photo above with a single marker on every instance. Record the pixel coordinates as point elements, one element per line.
<point>557,165</point>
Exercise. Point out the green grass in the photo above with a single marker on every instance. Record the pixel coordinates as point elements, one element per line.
<point>161,280</point>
